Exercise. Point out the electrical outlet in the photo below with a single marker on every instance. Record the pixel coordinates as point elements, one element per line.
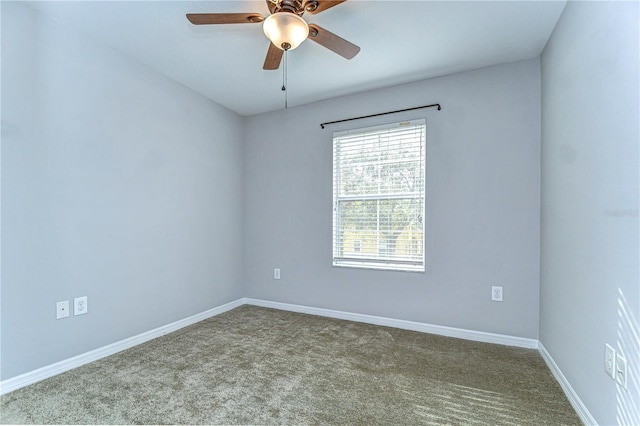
<point>621,371</point>
<point>610,361</point>
<point>496,293</point>
<point>276,274</point>
<point>80,305</point>
<point>62,309</point>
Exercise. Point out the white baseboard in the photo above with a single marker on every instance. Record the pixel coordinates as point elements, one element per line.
<point>478,336</point>
<point>34,376</point>
<point>31,377</point>
<point>573,398</point>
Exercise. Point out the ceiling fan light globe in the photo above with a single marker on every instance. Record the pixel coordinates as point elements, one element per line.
<point>285,29</point>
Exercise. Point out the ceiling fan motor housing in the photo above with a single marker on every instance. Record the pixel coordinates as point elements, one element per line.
<point>294,6</point>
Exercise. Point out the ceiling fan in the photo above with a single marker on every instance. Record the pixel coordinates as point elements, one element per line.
<point>285,27</point>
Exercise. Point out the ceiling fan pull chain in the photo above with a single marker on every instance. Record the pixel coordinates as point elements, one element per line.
<point>284,71</point>
<point>284,78</point>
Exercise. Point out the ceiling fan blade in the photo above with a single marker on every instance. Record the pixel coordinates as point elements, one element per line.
<point>224,18</point>
<point>332,42</point>
<point>274,56</point>
<point>324,5</point>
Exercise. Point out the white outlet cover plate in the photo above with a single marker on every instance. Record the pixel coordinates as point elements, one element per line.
<point>80,305</point>
<point>610,360</point>
<point>276,274</point>
<point>496,293</point>
<point>62,309</point>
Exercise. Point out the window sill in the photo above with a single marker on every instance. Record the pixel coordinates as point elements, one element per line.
<point>380,266</point>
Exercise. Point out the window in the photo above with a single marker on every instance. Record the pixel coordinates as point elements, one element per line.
<point>378,197</point>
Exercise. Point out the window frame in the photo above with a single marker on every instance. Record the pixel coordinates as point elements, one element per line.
<point>377,262</point>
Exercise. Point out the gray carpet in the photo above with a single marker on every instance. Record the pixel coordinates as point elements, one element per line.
<point>262,366</point>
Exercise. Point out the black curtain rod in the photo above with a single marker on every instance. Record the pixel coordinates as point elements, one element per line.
<point>382,113</point>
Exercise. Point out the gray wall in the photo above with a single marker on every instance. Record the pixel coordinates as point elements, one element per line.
<point>482,209</point>
<point>589,263</point>
<point>124,186</point>
<point>117,184</point>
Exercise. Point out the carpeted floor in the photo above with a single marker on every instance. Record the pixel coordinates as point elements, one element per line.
<point>262,366</point>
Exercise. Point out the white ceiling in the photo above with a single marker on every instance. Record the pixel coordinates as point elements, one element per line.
<point>401,41</point>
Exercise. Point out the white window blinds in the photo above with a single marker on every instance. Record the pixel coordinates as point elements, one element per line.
<point>378,197</point>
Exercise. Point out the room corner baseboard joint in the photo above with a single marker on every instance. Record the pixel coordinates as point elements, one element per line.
<point>571,394</point>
